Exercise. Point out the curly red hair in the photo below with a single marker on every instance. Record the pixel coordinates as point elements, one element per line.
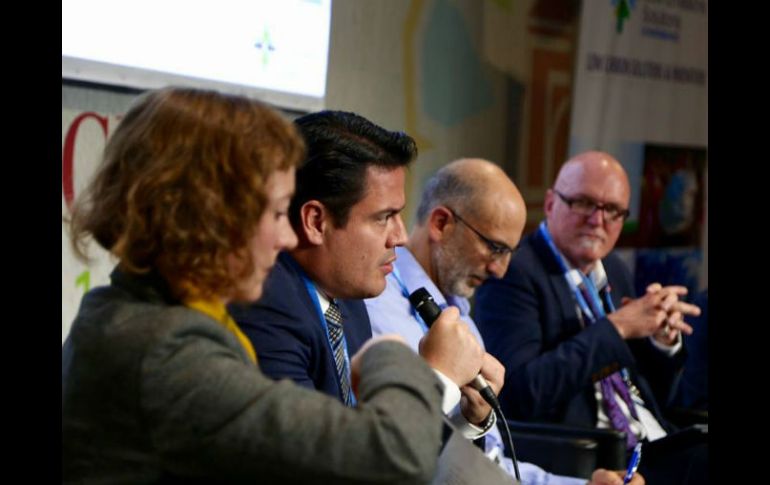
<point>182,185</point>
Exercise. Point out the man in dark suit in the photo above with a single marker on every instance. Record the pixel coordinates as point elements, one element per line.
<point>576,348</point>
<point>346,213</point>
<point>288,334</point>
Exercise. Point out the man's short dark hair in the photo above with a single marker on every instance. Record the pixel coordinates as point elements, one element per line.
<point>341,146</point>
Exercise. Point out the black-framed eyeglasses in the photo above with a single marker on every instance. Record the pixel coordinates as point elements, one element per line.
<point>497,249</point>
<point>586,207</point>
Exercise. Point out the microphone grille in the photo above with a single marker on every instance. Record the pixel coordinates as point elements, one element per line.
<point>419,296</point>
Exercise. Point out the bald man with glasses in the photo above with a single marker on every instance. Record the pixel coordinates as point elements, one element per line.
<point>577,347</point>
<point>450,257</point>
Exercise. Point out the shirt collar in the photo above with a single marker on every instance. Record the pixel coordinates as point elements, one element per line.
<point>322,300</point>
<point>598,275</point>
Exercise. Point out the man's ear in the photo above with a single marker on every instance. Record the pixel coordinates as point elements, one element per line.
<point>440,223</point>
<point>550,199</point>
<point>313,218</point>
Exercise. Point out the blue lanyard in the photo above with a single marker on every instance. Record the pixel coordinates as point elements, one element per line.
<point>595,295</point>
<point>311,290</point>
<point>582,287</point>
<point>405,292</point>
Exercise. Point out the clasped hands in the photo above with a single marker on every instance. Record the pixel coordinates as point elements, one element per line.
<point>658,313</point>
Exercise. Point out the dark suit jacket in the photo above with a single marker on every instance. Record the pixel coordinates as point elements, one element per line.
<point>153,390</point>
<point>287,333</point>
<point>693,389</point>
<point>530,322</point>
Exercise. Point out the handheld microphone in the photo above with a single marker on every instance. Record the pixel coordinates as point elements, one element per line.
<point>423,302</point>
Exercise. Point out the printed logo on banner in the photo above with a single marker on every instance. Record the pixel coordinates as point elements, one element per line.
<point>622,12</point>
<point>658,19</point>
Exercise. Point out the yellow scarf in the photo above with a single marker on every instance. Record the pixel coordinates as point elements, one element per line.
<point>216,310</point>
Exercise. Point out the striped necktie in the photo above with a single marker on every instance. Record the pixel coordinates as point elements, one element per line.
<point>337,340</point>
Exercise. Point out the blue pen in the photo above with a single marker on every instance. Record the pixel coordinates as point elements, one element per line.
<point>633,464</point>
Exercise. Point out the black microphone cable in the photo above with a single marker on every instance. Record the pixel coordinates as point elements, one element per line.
<point>508,436</point>
<point>423,302</point>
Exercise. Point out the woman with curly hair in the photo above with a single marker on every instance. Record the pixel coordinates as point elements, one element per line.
<point>158,383</point>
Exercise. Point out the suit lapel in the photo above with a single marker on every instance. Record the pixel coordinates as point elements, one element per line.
<point>566,302</point>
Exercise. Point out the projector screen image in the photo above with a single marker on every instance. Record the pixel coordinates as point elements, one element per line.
<point>273,50</point>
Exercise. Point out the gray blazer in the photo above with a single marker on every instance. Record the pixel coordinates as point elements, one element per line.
<point>155,392</point>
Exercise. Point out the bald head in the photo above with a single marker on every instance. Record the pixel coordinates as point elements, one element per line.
<point>587,181</point>
<point>470,212</point>
<point>473,186</point>
<point>587,167</point>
